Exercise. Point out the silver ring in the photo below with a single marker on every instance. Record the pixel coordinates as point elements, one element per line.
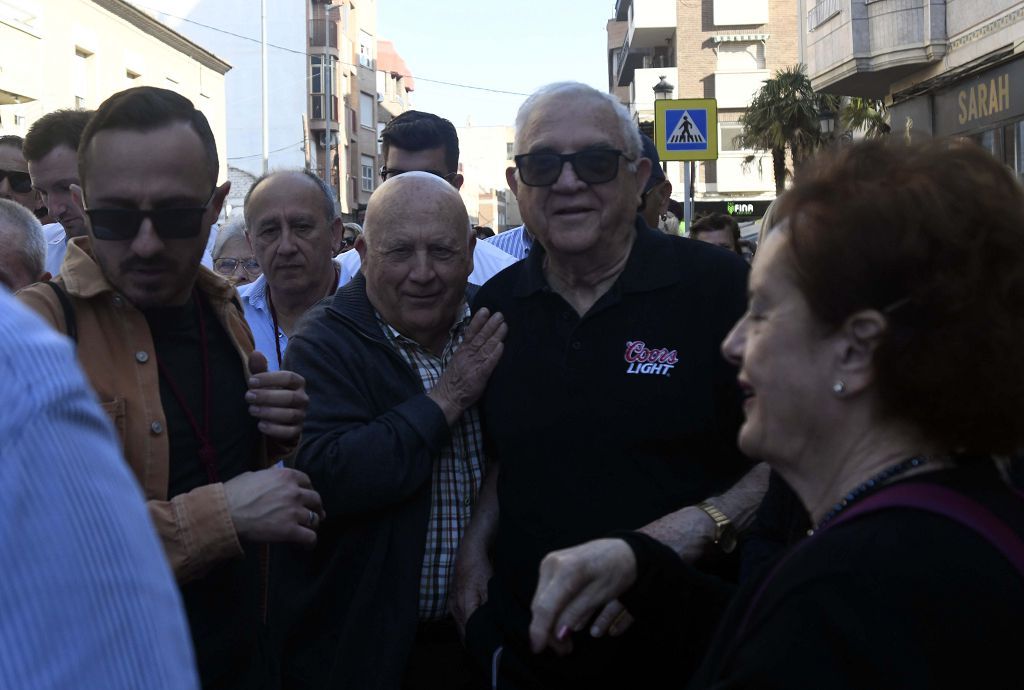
<point>312,519</point>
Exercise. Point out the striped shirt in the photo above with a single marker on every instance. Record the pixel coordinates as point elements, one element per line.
<point>516,241</point>
<point>86,595</point>
<point>457,474</point>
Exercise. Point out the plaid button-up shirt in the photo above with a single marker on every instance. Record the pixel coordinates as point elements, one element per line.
<point>457,475</point>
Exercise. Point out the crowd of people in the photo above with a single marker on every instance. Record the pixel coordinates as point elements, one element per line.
<point>581,453</point>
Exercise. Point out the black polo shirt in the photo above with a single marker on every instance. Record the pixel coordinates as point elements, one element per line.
<point>612,420</point>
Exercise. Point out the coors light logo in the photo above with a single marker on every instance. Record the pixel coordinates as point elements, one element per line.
<point>644,360</point>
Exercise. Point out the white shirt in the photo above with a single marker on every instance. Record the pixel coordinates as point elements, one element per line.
<point>56,246</point>
<point>488,260</point>
<point>261,321</point>
<point>515,241</point>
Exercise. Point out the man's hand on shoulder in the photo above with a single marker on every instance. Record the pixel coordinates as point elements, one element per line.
<point>277,399</point>
<point>274,505</point>
<point>463,381</point>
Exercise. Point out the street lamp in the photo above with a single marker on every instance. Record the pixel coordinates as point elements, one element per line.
<point>663,90</point>
<point>827,122</point>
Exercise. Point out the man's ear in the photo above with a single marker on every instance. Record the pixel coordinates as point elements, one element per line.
<point>513,181</point>
<point>360,246</point>
<point>667,196</point>
<point>457,180</point>
<point>643,172</point>
<point>217,201</point>
<point>337,230</point>
<point>78,196</point>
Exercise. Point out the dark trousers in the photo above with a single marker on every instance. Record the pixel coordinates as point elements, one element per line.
<point>438,659</point>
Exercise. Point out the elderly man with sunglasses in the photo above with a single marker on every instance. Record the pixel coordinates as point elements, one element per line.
<point>164,345</point>
<point>612,406</point>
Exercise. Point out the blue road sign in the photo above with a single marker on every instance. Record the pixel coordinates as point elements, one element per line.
<point>688,129</point>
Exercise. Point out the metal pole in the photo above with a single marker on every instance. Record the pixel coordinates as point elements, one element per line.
<point>324,75</point>
<point>263,69</point>
<point>687,199</point>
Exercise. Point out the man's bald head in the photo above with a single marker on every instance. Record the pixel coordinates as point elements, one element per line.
<point>414,195</point>
<point>417,254</point>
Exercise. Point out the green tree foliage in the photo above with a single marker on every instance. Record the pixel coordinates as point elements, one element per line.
<point>866,115</point>
<point>784,114</point>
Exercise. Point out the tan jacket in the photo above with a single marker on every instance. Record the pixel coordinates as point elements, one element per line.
<point>116,351</point>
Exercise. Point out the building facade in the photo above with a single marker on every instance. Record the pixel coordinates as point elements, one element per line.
<point>944,67</point>
<point>76,53</point>
<point>233,29</point>
<point>321,87</point>
<point>395,83</point>
<point>721,49</point>
<point>484,155</point>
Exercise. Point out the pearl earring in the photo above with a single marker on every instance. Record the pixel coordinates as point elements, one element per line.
<point>838,387</point>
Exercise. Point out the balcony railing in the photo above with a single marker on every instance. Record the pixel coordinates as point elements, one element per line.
<point>318,29</point>
<point>644,58</point>
<point>822,12</point>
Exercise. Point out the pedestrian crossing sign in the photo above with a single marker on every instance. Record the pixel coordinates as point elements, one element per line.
<point>686,129</point>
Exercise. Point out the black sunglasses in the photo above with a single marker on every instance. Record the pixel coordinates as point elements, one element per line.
<point>593,166</point>
<point>20,181</point>
<point>169,223</point>
<point>386,172</point>
<point>227,265</point>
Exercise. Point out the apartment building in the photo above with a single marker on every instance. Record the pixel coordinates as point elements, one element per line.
<point>321,87</point>
<point>76,53</point>
<point>395,83</point>
<point>233,28</point>
<point>720,49</point>
<point>485,154</point>
<point>945,67</point>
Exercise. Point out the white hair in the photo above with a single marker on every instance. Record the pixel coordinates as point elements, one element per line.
<point>26,240</point>
<point>234,227</point>
<point>632,145</point>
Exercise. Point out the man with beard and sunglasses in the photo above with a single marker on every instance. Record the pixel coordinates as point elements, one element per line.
<point>613,339</point>
<point>166,348</point>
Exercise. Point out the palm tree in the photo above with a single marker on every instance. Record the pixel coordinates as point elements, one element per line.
<point>866,114</point>
<point>785,114</point>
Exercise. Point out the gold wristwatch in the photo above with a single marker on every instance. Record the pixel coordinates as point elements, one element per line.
<point>725,531</point>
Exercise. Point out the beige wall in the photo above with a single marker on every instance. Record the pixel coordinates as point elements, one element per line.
<point>38,62</point>
<point>697,55</point>
<point>483,158</point>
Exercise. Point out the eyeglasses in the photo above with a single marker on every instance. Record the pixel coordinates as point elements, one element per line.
<point>227,266</point>
<point>169,223</point>
<point>20,181</point>
<point>386,172</point>
<point>593,166</point>
<point>348,241</point>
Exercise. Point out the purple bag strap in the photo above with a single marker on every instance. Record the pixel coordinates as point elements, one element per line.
<point>951,504</point>
<point>932,498</point>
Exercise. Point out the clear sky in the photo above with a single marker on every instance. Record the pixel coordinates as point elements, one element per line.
<point>512,46</point>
